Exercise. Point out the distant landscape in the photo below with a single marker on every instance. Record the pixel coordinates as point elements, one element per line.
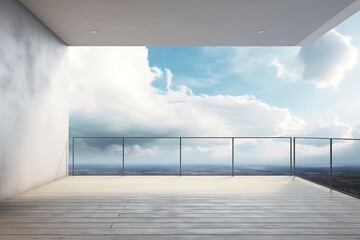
<point>346,179</point>
<point>88,169</point>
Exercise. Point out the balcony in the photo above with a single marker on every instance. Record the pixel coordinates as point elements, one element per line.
<point>105,67</point>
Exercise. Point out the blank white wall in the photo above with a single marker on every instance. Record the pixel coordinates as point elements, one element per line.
<point>33,102</point>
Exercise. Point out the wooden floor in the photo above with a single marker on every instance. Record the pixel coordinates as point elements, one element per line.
<point>180,208</point>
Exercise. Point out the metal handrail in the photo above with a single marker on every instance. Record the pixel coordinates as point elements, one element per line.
<point>326,138</point>
<point>180,148</point>
<point>292,152</point>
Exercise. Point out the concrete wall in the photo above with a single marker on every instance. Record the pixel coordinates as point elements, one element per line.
<point>33,102</point>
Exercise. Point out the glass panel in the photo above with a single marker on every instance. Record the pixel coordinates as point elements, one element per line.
<point>313,160</point>
<point>206,156</point>
<point>346,166</point>
<point>98,156</point>
<point>152,156</point>
<point>262,156</point>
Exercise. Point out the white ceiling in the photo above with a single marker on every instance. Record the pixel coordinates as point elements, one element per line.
<point>191,22</point>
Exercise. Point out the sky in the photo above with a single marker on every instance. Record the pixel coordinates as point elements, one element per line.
<point>219,91</point>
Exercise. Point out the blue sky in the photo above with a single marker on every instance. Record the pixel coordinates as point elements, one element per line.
<point>220,70</point>
<point>219,91</point>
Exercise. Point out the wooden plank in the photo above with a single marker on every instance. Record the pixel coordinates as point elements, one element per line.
<point>178,237</point>
<point>269,219</point>
<point>189,215</point>
<point>45,225</point>
<point>177,225</point>
<point>216,231</point>
<point>159,226</point>
<point>180,212</point>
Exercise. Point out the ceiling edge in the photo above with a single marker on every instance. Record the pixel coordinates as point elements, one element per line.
<point>332,23</point>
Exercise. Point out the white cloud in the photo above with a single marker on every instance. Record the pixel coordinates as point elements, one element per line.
<point>114,148</point>
<point>157,72</point>
<point>138,150</point>
<point>326,61</point>
<point>323,63</point>
<point>282,71</point>
<point>230,115</point>
<point>112,95</point>
<point>169,77</point>
<point>246,61</point>
<point>327,128</point>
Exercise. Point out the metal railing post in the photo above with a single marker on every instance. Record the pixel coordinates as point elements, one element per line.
<point>331,164</point>
<point>123,156</point>
<point>180,170</point>
<point>232,157</point>
<point>294,163</point>
<point>73,156</point>
<point>291,156</point>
